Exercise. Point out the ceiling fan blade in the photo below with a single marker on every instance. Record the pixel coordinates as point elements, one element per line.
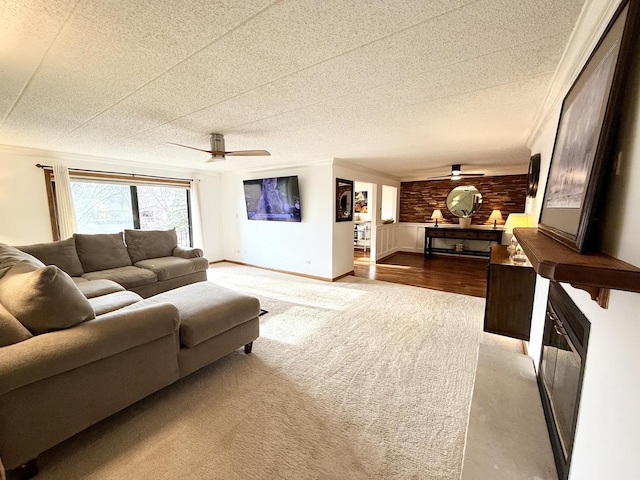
<point>457,177</point>
<point>248,153</point>
<point>187,146</point>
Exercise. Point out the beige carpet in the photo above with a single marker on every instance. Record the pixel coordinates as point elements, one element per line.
<point>355,379</point>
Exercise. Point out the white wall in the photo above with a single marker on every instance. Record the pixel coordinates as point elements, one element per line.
<point>298,247</point>
<point>24,210</point>
<point>383,237</point>
<point>390,198</point>
<point>606,442</point>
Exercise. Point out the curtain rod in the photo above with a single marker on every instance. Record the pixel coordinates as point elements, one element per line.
<point>133,175</point>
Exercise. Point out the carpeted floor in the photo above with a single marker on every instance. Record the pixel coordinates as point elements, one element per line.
<point>355,379</point>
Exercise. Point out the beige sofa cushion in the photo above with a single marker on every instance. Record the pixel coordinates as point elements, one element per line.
<point>43,299</point>
<point>11,330</point>
<point>113,301</point>
<point>9,256</point>
<point>172,267</point>
<point>101,251</point>
<point>128,277</point>
<point>62,254</point>
<point>144,244</point>
<point>206,310</point>
<point>97,288</point>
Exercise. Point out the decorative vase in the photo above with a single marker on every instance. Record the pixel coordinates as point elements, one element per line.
<point>464,222</point>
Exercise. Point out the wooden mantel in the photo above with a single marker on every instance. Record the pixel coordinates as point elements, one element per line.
<point>595,273</point>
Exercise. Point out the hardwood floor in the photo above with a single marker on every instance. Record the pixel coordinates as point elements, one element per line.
<point>464,275</point>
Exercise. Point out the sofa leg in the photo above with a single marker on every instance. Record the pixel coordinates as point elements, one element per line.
<point>23,472</point>
<point>248,347</point>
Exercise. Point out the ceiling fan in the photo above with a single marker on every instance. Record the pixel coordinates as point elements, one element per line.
<point>218,152</point>
<point>456,174</point>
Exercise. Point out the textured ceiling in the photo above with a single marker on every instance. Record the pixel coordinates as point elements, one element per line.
<point>405,87</point>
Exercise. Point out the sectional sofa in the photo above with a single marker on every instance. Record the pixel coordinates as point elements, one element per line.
<point>78,342</point>
<point>146,262</point>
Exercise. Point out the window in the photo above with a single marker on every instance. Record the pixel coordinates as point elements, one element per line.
<point>109,203</point>
<point>102,207</point>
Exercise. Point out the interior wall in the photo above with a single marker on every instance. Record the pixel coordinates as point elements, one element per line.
<point>389,208</point>
<point>383,238</point>
<point>24,209</point>
<point>606,436</point>
<point>299,247</point>
<point>419,199</point>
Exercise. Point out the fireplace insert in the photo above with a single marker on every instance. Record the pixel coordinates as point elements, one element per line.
<point>564,350</point>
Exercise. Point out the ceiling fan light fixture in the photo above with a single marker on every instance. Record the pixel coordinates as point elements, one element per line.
<point>455,171</point>
<point>217,145</point>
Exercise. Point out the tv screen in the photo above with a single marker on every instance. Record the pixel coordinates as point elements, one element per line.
<point>274,198</point>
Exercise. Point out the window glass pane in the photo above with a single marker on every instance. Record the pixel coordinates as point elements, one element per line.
<point>162,208</point>
<point>102,207</point>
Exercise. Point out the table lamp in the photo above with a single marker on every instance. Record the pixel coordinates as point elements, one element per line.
<point>437,215</point>
<point>516,220</point>
<point>496,216</point>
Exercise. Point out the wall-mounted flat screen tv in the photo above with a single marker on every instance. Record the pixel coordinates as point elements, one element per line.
<point>274,198</point>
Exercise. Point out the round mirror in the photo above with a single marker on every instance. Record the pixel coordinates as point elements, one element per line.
<point>464,201</point>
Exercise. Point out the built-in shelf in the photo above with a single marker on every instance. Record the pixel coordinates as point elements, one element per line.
<point>595,273</point>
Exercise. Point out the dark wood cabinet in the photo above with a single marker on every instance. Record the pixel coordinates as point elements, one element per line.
<point>510,290</point>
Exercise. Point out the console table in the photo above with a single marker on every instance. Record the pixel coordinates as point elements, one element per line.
<point>454,232</point>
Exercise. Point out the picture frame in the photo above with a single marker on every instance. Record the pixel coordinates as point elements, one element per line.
<point>585,136</point>
<point>344,200</point>
<point>360,203</point>
<point>533,175</point>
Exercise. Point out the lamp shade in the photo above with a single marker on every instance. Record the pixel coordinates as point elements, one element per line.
<point>517,220</point>
<point>496,215</point>
<point>437,215</point>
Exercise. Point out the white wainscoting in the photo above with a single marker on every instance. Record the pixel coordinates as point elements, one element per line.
<point>386,240</point>
<point>411,237</point>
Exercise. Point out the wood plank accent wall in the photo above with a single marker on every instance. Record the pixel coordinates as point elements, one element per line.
<point>419,199</point>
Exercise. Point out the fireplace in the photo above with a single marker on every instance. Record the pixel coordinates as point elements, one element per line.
<point>564,350</point>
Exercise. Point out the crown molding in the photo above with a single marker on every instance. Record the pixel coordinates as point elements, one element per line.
<point>591,25</point>
<point>74,158</point>
<point>274,168</point>
<point>341,162</point>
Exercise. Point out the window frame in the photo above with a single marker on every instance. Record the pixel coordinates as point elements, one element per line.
<point>132,180</point>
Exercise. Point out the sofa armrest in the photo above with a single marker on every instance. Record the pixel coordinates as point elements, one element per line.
<point>52,353</point>
<point>184,252</point>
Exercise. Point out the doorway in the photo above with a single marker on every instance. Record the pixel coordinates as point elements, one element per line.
<point>363,221</point>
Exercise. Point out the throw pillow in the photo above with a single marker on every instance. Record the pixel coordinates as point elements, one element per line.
<point>101,251</point>
<point>11,330</point>
<point>145,244</point>
<point>9,256</point>
<point>43,299</point>
<point>62,254</point>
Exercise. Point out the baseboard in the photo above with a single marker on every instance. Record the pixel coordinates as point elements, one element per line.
<point>313,277</point>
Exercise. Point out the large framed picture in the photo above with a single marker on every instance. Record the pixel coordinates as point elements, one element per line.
<point>344,200</point>
<point>584,140</point>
